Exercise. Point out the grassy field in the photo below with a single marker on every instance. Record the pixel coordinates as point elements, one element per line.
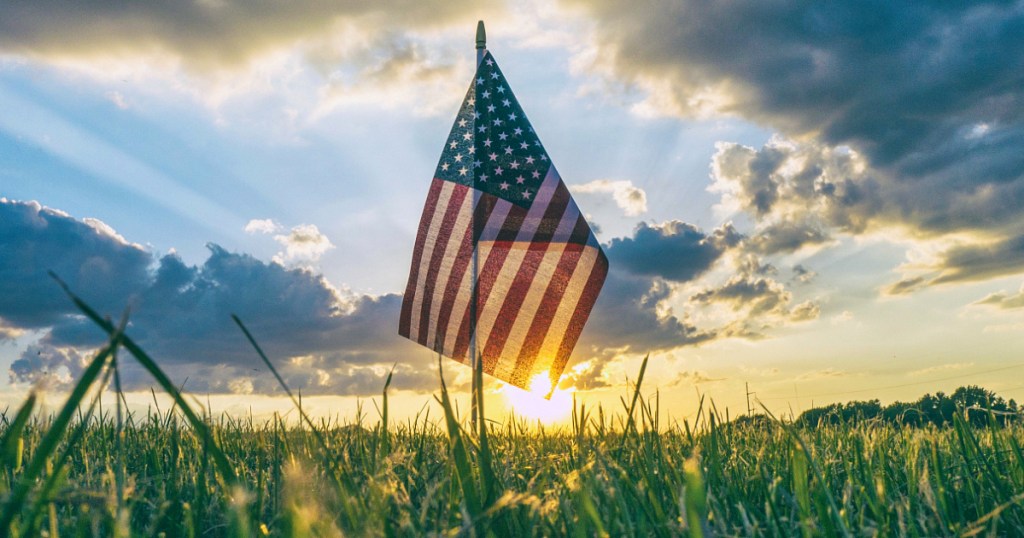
<point>178,472</point>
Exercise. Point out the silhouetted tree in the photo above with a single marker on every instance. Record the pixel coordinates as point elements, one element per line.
<point>977,404</point>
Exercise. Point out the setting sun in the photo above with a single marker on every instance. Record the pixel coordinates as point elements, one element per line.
<point>532,405</point>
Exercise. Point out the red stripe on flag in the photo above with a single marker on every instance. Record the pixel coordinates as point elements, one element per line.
<point>421,236</point>
<point>525,274</point>
<point>462,261</point>
<point>485,282</point>
<point>582,312</point>
<point>444,236</point>
<point>549,306</point>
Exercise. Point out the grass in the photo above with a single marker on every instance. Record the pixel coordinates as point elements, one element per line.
<point>94,471</point>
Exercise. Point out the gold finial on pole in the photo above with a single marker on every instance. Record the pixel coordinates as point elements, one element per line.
<point>481,36</point>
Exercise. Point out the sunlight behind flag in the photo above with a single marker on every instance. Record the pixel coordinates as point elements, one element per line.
<point>532,405</point>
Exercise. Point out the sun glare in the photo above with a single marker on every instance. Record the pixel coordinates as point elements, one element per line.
<point>532,405</point>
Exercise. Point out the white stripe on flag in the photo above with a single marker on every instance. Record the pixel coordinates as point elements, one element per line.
<point>499,290</point>
<point>465,292</point>
<point>566,308</point>
<point>451,249</point>
<point>532,302</point>
<point>488,312</point>
<point>524,317</point>
<point>429,242</point>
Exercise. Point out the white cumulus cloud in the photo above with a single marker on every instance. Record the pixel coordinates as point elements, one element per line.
<point>304,244</point>
<point>630,198</point>
<point>262,226</point>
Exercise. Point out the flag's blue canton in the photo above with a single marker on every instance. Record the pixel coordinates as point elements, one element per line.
<point>492,145</point>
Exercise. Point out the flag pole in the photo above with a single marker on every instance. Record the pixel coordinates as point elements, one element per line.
<point>481,49</point>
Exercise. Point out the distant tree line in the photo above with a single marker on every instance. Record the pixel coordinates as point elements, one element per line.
<point>977,405</point>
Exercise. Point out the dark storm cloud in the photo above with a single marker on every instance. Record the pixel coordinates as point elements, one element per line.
<point>646,269</point>
<point>642,270</point>
<point>204,31</point>
<point>980,262</point>
<point>626,317</point>
<point>929,95</point>
<point>787,236</point>
<point>34,240</point>
<point>323,340</point>
<point>759,301</point>
<point>812,189</point>
<point>896,79</point>
<point>673,250</point>
<point>759,295</point>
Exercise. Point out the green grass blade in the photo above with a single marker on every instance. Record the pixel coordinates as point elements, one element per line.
<point>59,472</point>
<point>694,499</point>
<point>459,452</point>
<point>224,467</point>
<point>53,436</point>
<point>12,445</point>
<point>342,488</point>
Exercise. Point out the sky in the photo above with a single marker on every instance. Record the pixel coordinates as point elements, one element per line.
<point>815,202</point>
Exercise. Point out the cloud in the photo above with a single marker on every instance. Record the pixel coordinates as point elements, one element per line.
<point>907,84</point>
<point>965,263</point>
<point>693,377</point>
<point>390,70</point>
<point>262,226</point>
<point>630,314</point>
<point>323,340</point>
<point>586,375</point>
<point>87,254</point>
<point>758,295</point>
<point>758,301</point>
<point>181,314</point>
<point>8,333</point>
<point>796,191</point>
<point>48,365</point>
<point>304,244</point>
<point>787,237</point>
<point>905,286</point>
<point>648,271</point>
<point>1003,300</point>
<point>630,198</point>
<point>672,250</point>
<point>822,374</point>
<point>843,317</point>
<point>207,32</point>
<point>759,371</point>
<point>633,311</point>
<point>279,69</point>
<point>803,275</point>
<point>894,115</point>
<point>941,368</point>
<point>118,99</point>
<point>805,311</point>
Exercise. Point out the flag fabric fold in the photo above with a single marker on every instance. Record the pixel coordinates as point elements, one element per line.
<point>539,266</point>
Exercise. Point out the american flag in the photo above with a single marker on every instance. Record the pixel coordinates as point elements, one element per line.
<point>539,266</point>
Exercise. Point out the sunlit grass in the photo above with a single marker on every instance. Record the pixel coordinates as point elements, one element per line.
<point>90,470</point>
